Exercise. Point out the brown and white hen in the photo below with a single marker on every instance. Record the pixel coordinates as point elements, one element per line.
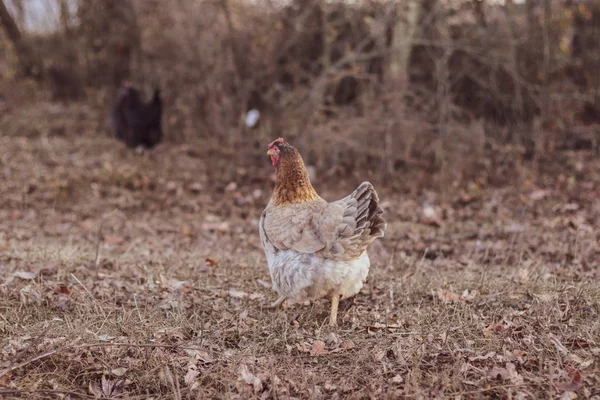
<point>316,249</point>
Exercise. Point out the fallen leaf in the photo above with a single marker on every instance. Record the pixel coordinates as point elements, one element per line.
<point>447,296</point>
<point>237,294</point>
<point>113,239</point>
<point>25,275</point>
<point>95,390</point>
<point>62,289</point>
<point>256,296</point>
<point>318,348</point>
<point>264,283</point>
<point>570,207</point>
<point>105,338</point>
<point>574,384</point>
<point>87,224</point>
<point>191,375</point>
<point>111,387</point>
<point>200,355</point>
<point>211,262</point>
<point>249,378</point>
<point>538,194</point>
<point>509,373</point>
<point>29,295</point>
<point>119,371</point>
<point>195,187</point>
<point>186,230</point>
<point>485,357</point>
<point>497,371</point>
<point>4,379</point>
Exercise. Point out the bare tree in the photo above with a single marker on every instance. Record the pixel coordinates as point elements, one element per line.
<point>112,39</point>
<point>29,64</point>
<point>404,32</point>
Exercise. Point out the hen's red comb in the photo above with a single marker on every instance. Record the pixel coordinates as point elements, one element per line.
<point>275,141</point>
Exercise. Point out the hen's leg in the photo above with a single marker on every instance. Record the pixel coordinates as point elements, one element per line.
<point>335,301</point>
<point>277,302</point>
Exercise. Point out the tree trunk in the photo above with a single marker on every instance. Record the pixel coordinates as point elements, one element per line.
<point>112,39</point>
<point>404,32</point>
<point>65,17</point>
<point>29,65</point>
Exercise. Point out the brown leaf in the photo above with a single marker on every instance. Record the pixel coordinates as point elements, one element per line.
<point>497,371</point>
<point>186,230</point>
<point>249,378</point>
<point>237,294</point>
<point>264,283</point>
<point>447,296</point>
<point>508,374</point>
<point>4,379</point>
<point>94,389</point>
<point>191,375</point>
<point>318,348</point>
<point>87,224</point>
<point>485,357</point>
<point>24,275</point>
<point>195,187</point>
<point>347,344</point>
<point>211,262</point>
<point>62,289</point>
<point>108,239</point>
<point>111,387</point>
<point>119,371</point>
<point>574,384</point>
<point>538,194</point>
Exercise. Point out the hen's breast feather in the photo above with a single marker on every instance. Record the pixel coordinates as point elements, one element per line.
<point>300,277</point>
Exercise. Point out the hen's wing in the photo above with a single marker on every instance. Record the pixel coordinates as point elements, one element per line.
<point>341,230</point>
<point>293,227</point>
<point>348,226</point>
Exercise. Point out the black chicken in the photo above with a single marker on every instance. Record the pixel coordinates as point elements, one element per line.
<point>134,122</point>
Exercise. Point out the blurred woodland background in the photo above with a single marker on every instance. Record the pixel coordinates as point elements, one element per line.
<point>445,90</point>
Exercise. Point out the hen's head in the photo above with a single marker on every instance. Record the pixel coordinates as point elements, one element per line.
<point>276,147</point>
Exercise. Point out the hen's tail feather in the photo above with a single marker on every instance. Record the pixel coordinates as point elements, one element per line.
<point>369,221</point>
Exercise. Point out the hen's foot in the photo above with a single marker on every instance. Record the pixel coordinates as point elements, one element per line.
<point>277,302</point>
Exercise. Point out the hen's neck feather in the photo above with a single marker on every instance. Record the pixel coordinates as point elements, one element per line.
<point>292,185</point>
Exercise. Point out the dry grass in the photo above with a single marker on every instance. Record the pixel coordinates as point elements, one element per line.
<point>131,275</point>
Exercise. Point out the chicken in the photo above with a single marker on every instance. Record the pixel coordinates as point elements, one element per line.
<point>316,249</point>
<point>134,122</point>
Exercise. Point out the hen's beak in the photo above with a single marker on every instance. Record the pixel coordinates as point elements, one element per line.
<point>270,153</point>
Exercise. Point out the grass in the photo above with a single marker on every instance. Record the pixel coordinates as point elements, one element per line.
<point>127,275</point>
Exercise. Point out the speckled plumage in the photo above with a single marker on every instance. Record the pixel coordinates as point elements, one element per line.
<point>316,249</point>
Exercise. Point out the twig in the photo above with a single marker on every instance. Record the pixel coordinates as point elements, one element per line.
<point>98,243</point>
<point>84,288</point>
<point>137,308</point>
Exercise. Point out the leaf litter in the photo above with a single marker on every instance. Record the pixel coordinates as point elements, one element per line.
<point>486,293</point>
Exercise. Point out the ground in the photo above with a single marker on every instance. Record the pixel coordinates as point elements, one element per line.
<point>140,275</point>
